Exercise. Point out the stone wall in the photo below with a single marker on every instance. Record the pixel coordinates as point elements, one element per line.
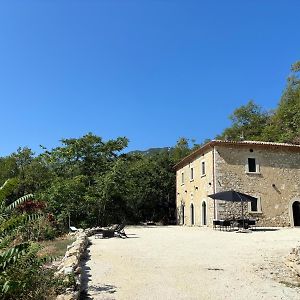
<point>276,183</point>
<point>70,264</point>
<point>231,210</point>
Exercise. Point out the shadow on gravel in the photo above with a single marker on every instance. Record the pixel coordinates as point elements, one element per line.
<point>264,229</point>
<point>128,236</point>
<point>105,288</point>
<point>110,289</point>
<point>85,278</point>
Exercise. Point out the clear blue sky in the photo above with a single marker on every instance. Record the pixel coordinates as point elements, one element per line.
<point>150,70</point>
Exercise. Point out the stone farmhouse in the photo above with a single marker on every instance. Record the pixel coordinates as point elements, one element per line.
<point>270,172</point>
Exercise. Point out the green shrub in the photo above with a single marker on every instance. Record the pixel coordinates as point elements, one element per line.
<point>27,278</point>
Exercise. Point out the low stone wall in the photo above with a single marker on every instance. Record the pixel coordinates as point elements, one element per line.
<point>70,268</point>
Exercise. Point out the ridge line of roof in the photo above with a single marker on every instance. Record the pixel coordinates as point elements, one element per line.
<point>218,142</point>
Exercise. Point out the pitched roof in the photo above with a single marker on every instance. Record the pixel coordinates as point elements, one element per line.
<point>258,144</point>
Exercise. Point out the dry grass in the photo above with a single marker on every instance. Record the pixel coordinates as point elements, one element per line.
<point>56,247</point>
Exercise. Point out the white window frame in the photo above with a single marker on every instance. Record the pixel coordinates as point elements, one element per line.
<point>202,163</point>
<point>192,173</point>
<point>259,210</point>
<point>257,166</point>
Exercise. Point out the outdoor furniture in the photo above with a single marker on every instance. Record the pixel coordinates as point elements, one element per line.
<point>225,224</point>
<point>229,224</point>
<point>233,223</point>
<point>114,230</point>
<point>222,224</point>
<point>234,196</point>
<point>73,229</point>
<point>120,232</point>
<point>252,223</point>
<point>246,223</point>
<point>110,232</point>
<point>216,223</point>
<point>243,223</point>
<point>106,232</point>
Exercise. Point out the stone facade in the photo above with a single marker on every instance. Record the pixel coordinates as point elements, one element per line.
<point>275,182</point>
<point>192,192</point>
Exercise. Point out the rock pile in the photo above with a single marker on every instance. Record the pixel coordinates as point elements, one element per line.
<point>293,260</point>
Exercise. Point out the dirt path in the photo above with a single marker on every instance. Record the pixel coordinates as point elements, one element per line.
<point>190,263</point>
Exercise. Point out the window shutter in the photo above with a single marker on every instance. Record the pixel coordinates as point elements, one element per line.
<point>257,167</point>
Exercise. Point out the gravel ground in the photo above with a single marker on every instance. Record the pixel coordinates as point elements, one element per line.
<point>176,262</point>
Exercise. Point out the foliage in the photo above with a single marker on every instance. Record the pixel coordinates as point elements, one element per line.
<point>284,126</point>
<point>181,149</point>
<point>151,185</point>
<point>20,268</point>
<point>250,122</point>
<point>25,277</point>
<point>93,183</point>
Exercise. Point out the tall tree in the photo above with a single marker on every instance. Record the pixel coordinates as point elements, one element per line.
<point>284,126</point>
<point>181,149</point>
<point>248,122</point>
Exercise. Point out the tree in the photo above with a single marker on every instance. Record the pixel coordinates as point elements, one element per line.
<point>181,149</point>
<point>151,187</point>
<point>87,155</point>
<point>65,199</point>
<point>284,125</point>
<point>82,167</point>
<point>248,122</point>
<point>109,193</point>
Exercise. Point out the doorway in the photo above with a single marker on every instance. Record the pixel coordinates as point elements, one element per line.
<point>204,221</point>
<point>192,214</point>
<point>182,214</point>
<point>296,213</point>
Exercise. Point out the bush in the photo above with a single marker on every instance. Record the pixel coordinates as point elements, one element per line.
<point>38,230</point>
<point>27,278</point>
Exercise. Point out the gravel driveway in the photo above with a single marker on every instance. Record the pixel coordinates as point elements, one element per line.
<point>175,262</point>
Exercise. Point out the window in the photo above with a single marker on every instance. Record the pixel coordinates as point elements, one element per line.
<point>255,206</point>
<point>252,166</point>
<point>202,168</point>
<point>192,173</point>
<point>182,178</point>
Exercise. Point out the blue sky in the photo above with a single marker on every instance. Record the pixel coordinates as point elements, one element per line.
<point>152,71</point>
